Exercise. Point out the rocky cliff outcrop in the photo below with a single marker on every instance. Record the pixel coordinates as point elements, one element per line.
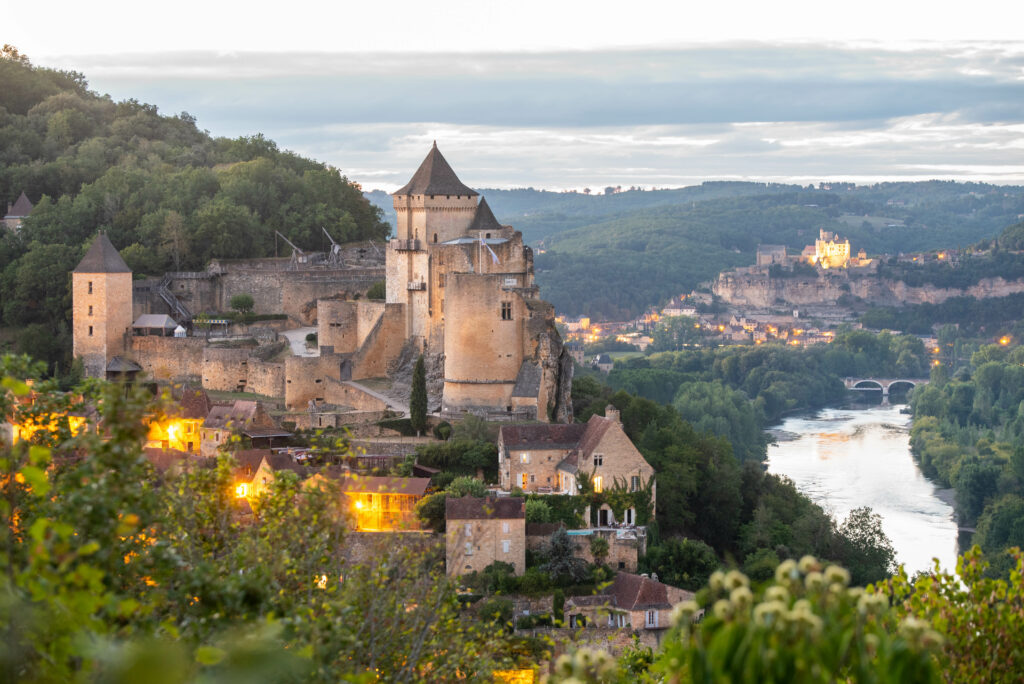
<point>762,291</point>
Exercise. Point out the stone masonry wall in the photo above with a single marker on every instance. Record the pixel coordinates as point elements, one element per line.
<point>265,378</point>
<point>225,370</point>
<point>169,358</point>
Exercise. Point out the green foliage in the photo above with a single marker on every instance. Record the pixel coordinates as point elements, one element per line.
<point>109,570</point>
<point>560,561</point>
<point>566,509</point>
<point>978,617</point>
<point>466,486</point>
<point>462,457</point>
<point>166,193</point>
<point>537,511</point>
<point>430,511</point>
<point>612,257</point>
<point>242,303</point>
<point>497,610</point>
<point>418,397</point>
<point>377,291</point>
<point>443,430</point>
<point>807,626</point>
<point>683,563</point>
<point>599,549</point>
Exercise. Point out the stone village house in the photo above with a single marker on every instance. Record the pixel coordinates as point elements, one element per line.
<point>551,459</point>
<point>632,602</point>
<point>480,531</point>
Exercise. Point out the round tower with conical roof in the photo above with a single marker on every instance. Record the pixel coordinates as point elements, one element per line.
<point>101,291</point>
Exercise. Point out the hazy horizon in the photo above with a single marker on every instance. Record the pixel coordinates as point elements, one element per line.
<point>658,96</point>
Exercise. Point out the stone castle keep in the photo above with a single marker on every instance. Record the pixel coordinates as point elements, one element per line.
<point>459,289</point>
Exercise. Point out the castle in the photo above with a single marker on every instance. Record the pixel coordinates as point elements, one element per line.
<point>459,289</point>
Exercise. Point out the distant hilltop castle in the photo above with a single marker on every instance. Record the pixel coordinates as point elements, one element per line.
<point>459,288</point>
<point>828,252</point>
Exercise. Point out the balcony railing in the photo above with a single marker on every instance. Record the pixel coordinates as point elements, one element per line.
<point>405,245</point>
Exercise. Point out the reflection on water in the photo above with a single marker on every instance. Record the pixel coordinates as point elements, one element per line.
<point>848,458</point>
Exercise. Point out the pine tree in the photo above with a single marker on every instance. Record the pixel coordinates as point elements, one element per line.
<point>418,397</point>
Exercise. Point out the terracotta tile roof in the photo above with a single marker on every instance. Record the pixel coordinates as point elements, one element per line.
<point>248,461</point>
<point>484,218</point>
<point>195,403</point>
<point>21,207</point>
<point>102,257</point>
<point>435,177</point>
<point>473,508</point>
<point>597,426</point>
<point>240,414</point>
<point>635,592</point>
<point>632,592</point>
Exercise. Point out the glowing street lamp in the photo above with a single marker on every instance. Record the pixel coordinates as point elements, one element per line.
<point>1004,340</point>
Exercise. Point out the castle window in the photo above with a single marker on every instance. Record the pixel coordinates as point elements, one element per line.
<point>506,311</point>
<point>506,545</point>
<point>435,238</point>
<point>525,457</point>
<point>505,527</point>
<point>90,287</point>
<point>487,235</point>
<point>90,331</point>
<point>598,460</point>
<point>90,309</point>
<point>634,483</point>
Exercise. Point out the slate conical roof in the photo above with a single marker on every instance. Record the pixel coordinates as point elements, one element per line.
<point>21,208</point>
<point>484,218</point>
<point>102,257</point>
<point>435,177</point>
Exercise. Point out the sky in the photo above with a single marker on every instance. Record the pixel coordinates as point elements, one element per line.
<point>567,94</point>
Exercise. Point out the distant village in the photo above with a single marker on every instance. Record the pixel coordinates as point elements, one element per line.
<point>792,299</point>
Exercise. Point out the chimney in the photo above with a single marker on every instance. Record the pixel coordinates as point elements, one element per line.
<point>612,413</point>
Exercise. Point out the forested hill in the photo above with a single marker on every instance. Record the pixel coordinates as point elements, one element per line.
<point>169,195</point>
<point>613,255</point>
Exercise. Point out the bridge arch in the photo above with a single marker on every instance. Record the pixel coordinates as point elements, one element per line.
<point>901,385</point>
<point>869,385</point>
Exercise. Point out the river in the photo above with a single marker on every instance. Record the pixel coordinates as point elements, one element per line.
<point>845,458</point>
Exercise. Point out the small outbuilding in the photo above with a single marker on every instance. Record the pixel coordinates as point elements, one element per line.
<point>160,325</point>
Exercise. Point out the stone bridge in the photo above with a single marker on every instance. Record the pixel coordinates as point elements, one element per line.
<point>884,384</point>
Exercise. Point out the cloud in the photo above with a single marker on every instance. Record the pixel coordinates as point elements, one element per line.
<point>658,117</point>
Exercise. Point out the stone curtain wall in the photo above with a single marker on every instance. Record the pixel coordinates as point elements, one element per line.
<point>169,358</point>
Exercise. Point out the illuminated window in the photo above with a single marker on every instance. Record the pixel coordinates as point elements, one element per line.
<point>598,484</point>
<point>524,479</point>
<point>524,457</point>
<point>506,311</point>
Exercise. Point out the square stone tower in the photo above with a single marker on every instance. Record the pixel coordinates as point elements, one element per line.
<point>101,292</point>
<point>432,208</point>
